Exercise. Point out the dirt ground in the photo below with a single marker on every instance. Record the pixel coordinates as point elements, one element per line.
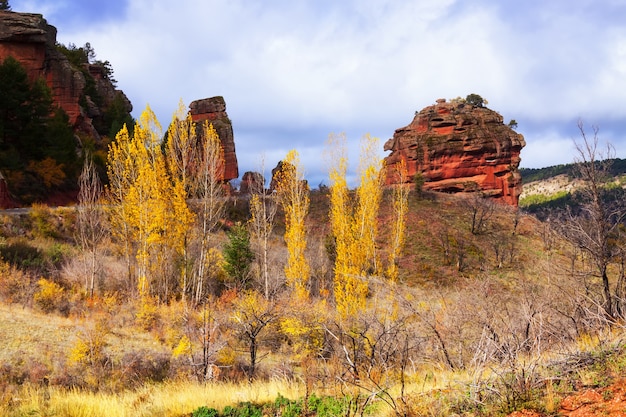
<point>606,402</point>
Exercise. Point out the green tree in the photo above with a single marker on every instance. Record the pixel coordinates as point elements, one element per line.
<point>24,110</point>
<point>32,131</point>
<point>238,255</point>
<point>4,5</point>
<point>475,100</point>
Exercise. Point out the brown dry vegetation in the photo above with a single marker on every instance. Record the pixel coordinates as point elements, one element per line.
<point>493,313</point>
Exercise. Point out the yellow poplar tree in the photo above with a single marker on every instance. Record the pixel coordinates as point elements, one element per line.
<point>145,208</point>
<point>369,194</point>
<point>354,227</point>
<point>181,157</point>
<point>293,193</point>
<point>148,210</point>
<point>122,172</point>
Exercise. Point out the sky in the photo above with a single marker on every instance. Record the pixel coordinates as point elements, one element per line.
<point>294,71</point>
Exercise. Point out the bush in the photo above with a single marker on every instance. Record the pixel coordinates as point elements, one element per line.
<point>22,254</point>
<point>14,285</point>
<point>41,219</point>
<point>50,296</point>
<point>205,412</point>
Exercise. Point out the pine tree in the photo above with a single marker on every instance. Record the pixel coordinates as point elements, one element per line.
<point>238,255</point>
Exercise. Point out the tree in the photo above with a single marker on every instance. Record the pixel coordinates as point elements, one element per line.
<point>293,194</point>
<point>354,226</point>
<point>90,219</point>
<point>400,209</point>
<point>475,100</point>
<point>181,152</point>
<point>122,172</point>
<point>595,226</point>
<point>208,191</point>
<point>238,255</point>
<point>252,316</point>
<point>148,210</point>
<point>4,5</point>
<point>31,131</point>
<point>263,209</point>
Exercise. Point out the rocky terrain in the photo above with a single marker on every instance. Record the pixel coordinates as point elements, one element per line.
<point>459,147</point>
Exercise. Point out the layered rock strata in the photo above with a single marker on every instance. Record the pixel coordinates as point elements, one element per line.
<point>458,147</point>
<point>213,110</point>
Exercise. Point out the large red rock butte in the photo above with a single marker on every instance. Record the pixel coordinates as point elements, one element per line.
<point>459,147</point>
<point>213,110</point>
<point>29,39</point>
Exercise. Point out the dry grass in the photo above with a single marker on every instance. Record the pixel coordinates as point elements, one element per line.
<point>166,400</point>
<point>33,334</point>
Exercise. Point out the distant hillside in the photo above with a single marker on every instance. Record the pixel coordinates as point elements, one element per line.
<point>552,188</point>
<point>618,166</point>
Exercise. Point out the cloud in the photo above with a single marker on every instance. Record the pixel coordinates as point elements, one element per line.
<point>293,72</point>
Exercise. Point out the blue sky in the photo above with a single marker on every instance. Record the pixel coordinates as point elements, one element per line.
<point>294,71</point>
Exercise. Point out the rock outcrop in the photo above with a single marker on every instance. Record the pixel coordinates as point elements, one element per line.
<point>213,110</point>
<point>29,39</point>
<point>252,182</point>
<point>459,147</point>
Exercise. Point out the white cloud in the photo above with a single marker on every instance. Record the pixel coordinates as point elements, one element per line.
<point>293,72</point>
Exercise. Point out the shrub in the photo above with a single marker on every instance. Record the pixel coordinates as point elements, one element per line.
<point>205,412</point>
<point>14,285</point>
<point>22,254</point>
<point>41,219</point>
<point>50,296</point>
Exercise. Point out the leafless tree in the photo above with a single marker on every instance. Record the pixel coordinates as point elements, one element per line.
<point>480,210</point>
<point>374,351</point>
<point>263,207</point>
<point>595,224</point>
<point>91,228</point>
<point>210,195</point>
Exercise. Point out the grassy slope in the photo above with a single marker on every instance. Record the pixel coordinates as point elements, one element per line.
<point>424,267</point>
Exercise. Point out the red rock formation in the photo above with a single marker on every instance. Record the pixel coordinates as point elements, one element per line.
<point>252,182</point>
<point>214,110</point>
<point>458,147</point>
<point>32,41</point>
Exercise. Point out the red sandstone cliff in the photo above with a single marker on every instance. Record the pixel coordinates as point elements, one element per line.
<point>32,41</point>
<point>214,110</point>
<point>459,147</point>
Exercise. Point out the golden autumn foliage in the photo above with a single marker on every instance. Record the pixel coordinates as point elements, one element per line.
<point>49,296</point>
<point>147,207</point>
<point>49,171</point>
<point>293,193</point>
<point>354,226</point>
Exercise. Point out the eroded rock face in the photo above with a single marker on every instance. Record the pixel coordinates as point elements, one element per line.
<point>252,182</point>
<point>458,147</point>
<point>214,111</point>
<point>32,41</point>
